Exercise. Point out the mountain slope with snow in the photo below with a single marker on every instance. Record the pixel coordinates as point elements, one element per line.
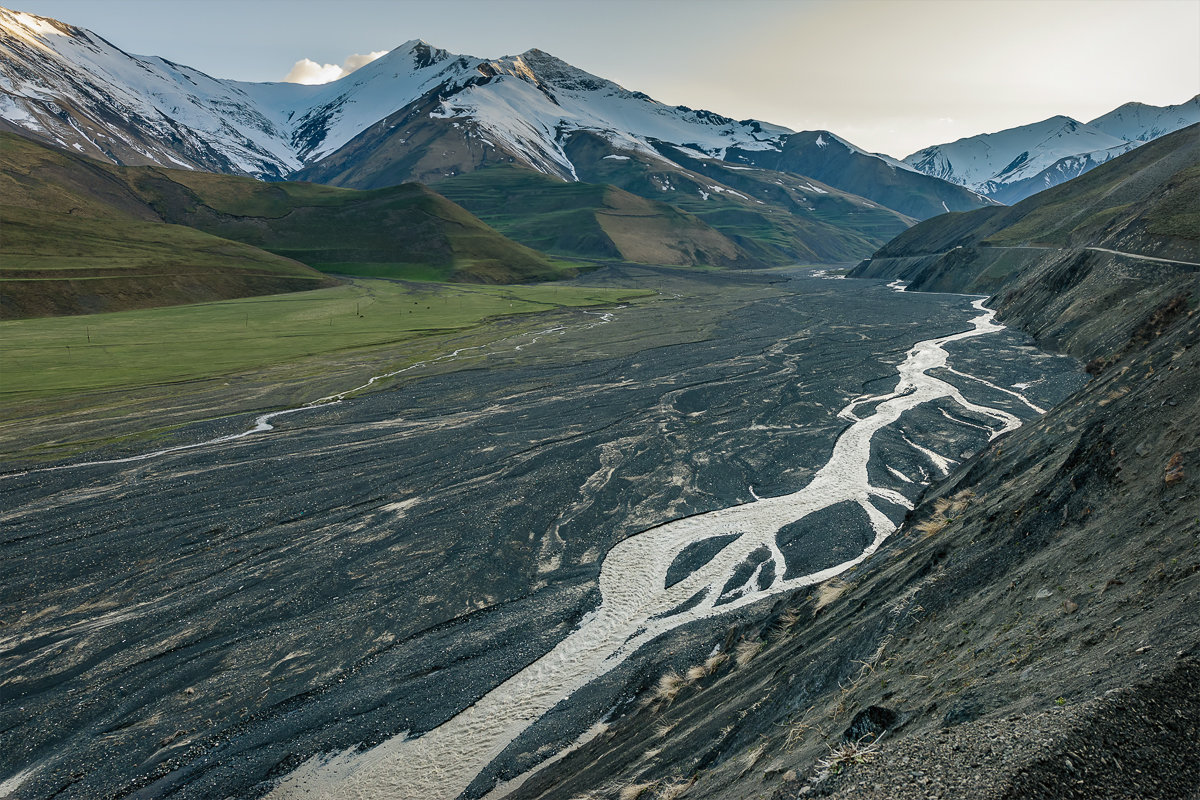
<point>69,87</point>
<point>1015,163</point>
<point>829,158</point>
<point>1138,122</point>
<point>75,89</point>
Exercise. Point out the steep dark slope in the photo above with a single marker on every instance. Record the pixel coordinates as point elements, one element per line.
<point>1031,630</point>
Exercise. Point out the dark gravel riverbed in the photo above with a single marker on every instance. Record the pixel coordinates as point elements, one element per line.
<point>200,623</point>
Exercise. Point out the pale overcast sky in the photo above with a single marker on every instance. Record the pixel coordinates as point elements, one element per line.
<point>890,75</point>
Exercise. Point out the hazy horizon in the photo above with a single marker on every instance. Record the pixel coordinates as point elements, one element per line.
<point>881,74</point>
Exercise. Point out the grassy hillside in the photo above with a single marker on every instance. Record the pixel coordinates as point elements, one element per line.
<point>82,236</point>
<point>589,219</point>
<point>752,217</point>
<point>76,241</point>
<point>405,231</point>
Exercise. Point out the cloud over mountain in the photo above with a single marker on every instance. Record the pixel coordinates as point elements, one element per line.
<point>310,72</point>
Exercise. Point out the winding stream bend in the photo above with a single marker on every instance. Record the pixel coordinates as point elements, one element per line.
<point>637,604</point>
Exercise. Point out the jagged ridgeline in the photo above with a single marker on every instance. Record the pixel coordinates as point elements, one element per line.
<point>81,236</point>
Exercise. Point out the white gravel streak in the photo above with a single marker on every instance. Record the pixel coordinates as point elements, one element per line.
<point>636,607</point>
<point>262,423</point>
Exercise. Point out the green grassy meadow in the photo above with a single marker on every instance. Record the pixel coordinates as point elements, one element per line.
<point>55,356</point>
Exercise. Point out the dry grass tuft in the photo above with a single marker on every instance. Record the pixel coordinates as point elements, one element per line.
<point>829,591</point>
<point>714,662</point>
<point>787,620</point>
<point>746,650</point>
<point>695,673</point>
<point>845,755</point>
<point>934,525</point>
<point>945,509</point>
<point>675,790</point>
<point>668,688</point>
<point>635,790</point>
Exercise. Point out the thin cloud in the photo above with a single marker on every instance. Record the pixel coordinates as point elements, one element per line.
<point>309,72</point>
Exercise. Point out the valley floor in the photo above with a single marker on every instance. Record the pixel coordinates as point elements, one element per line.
<point>205,621</point>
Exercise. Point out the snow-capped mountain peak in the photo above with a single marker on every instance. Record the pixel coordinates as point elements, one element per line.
<point>68,86</point>
<point>1014,163</point>
<point>76,89</point>
<point>1139,122</point>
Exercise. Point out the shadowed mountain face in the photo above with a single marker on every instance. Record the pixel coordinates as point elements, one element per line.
<point>894,184</point>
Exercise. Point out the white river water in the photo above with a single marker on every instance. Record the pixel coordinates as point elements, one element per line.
<point>636,606</point>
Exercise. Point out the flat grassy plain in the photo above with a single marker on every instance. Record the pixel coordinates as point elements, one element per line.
<point>71,383</point>
<point>129,349</point>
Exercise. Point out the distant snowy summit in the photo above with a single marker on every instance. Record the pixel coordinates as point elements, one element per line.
<point>1013,164</point>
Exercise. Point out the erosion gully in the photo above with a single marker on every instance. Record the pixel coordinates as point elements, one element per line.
<point>429,590</point>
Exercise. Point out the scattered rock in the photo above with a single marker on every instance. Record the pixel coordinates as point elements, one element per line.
<point>1174,470</point>
<point>870,723</point>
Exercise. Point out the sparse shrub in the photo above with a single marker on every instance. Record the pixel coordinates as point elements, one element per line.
<point>746,650</point>
<point>714,662</point>
<point>668,688</point>
<point>796,734</point>
<point>845,755</point>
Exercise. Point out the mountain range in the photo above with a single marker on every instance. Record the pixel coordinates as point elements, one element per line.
<point>1013,164</point>
<point>600,171</point>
